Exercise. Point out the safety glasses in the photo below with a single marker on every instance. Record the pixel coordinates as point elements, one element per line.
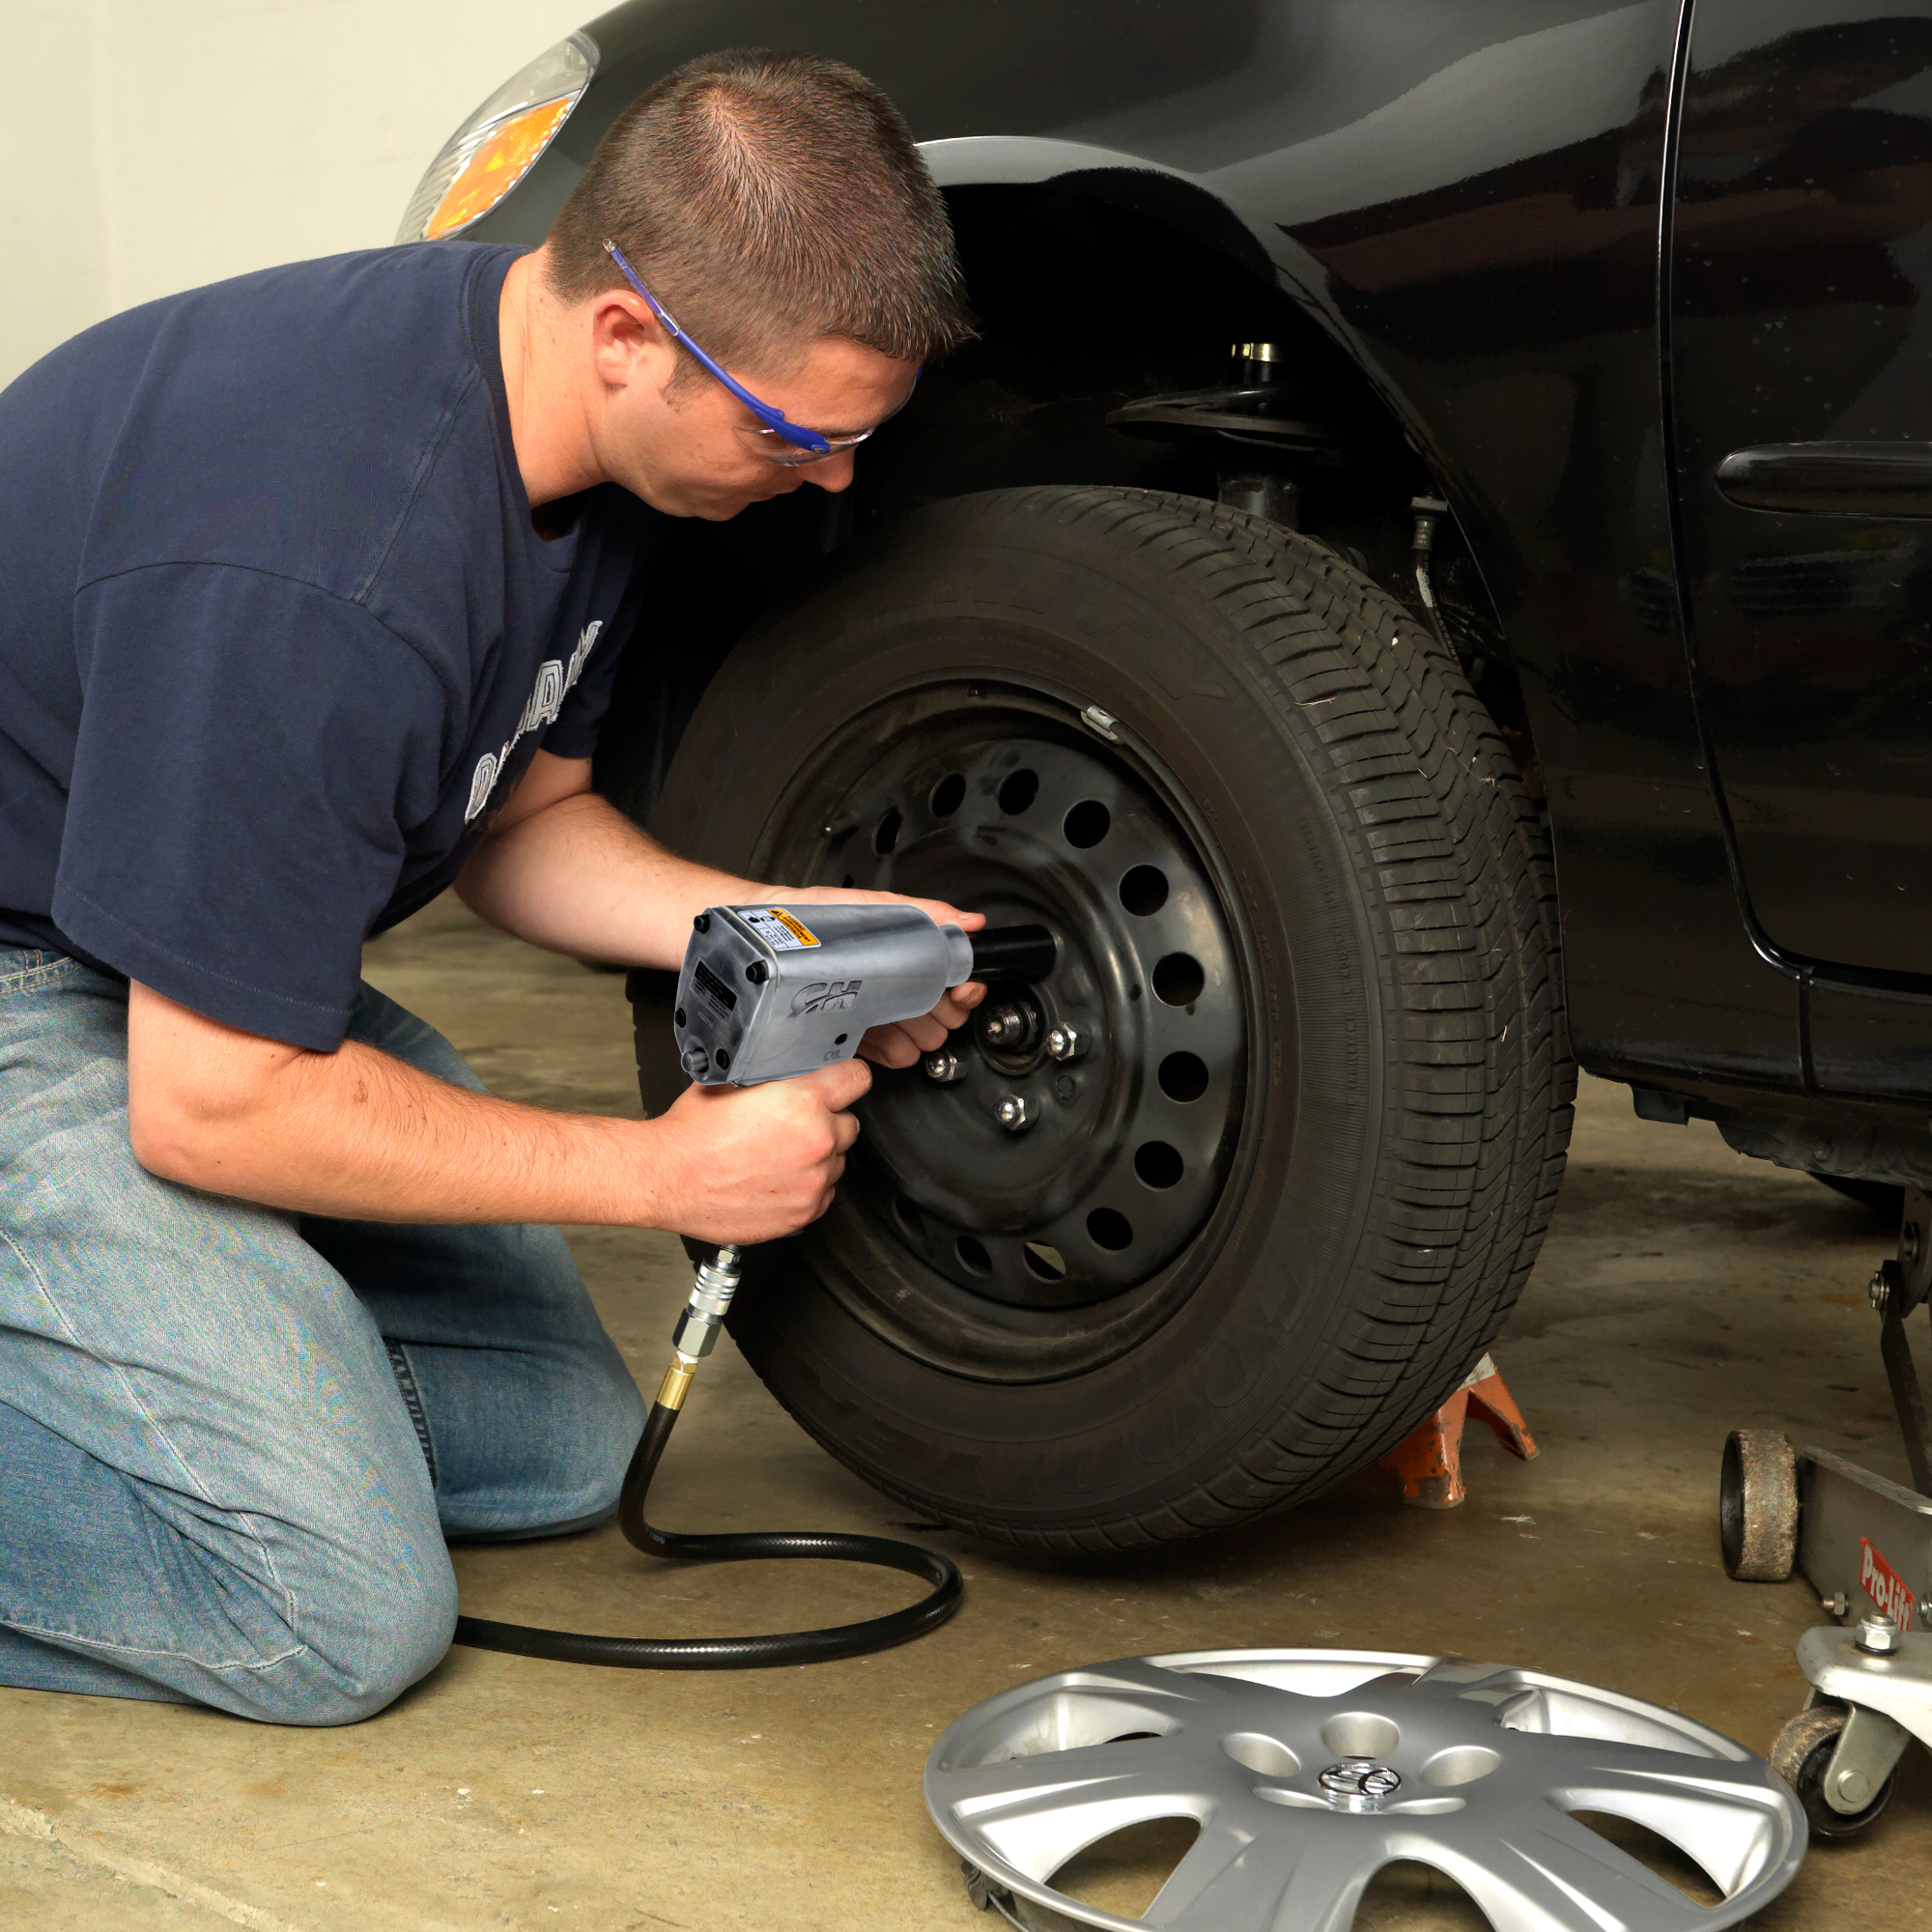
<point>777,441</point>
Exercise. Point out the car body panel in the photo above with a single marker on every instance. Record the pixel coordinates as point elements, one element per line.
<point>1800,247</point>
<point>1472,199</point>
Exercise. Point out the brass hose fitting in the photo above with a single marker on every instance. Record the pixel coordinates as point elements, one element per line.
<point>699,1322</point>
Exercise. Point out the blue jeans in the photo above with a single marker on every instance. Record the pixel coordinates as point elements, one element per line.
<point>234,1439</point>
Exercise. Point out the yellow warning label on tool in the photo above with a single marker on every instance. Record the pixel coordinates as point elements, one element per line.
<point>778,929</point>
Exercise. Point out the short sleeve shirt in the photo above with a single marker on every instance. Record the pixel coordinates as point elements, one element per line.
<point>278,633</point>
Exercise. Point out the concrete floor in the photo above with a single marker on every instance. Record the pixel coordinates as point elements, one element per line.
<point>1684,1291</point>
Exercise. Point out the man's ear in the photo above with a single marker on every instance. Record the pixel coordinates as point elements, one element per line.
<point>626,342</point>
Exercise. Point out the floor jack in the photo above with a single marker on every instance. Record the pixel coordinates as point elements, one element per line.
<point>1866,1545</point>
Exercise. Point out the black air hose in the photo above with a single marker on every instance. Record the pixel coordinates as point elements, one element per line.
<point>729,1653</point>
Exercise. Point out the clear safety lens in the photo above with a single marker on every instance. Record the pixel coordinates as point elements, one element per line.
<point>499,144</point>
<point>777,448</point>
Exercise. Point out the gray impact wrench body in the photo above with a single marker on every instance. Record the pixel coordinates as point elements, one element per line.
<point>771,991</point>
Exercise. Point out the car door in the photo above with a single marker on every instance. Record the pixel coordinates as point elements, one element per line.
<point>1798,364</point>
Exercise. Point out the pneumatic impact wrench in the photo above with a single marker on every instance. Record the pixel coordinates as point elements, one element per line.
<point>766,993</point>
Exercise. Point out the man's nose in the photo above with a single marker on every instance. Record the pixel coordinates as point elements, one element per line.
<point>834,473</point>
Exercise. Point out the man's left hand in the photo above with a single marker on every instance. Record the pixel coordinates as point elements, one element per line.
<point>905,1042</point>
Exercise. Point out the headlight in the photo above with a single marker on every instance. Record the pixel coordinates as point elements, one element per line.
<point>498,146</point>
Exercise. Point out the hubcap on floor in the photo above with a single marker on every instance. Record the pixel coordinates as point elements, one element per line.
<point>1307,1771</point>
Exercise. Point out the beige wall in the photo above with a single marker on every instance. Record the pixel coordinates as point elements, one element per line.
<point>152,145</point>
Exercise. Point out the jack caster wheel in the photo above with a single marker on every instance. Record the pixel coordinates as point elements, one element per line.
<point>1757,1506</point>
<point>1801,1756</point>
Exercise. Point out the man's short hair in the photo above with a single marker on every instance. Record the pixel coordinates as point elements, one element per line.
<point>769,199</point>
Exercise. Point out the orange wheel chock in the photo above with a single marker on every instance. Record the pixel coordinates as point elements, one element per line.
<point>1429,1463</point>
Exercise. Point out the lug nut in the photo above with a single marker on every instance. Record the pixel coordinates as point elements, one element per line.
<point>1005,1026</point>
<point>1012,1113</point>
<point>943,1068</point>
<point>1878,1637</point>
<point>1064,1042</point>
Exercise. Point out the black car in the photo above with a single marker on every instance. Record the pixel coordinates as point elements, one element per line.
<point>1421,582</point>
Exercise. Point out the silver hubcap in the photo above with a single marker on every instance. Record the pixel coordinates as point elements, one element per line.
<point>1307,1771</point>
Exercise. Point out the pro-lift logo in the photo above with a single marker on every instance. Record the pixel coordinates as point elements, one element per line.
<point>1885,1587</point>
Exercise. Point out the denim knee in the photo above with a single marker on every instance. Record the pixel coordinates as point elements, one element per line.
<point>359,1655</point>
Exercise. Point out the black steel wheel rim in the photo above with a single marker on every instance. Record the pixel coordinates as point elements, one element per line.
<point>1025,1251</point>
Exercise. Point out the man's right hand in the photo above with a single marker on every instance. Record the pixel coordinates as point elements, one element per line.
<point>748,1164</point>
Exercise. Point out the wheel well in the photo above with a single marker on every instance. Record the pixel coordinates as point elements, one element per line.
<point>1093,292</point>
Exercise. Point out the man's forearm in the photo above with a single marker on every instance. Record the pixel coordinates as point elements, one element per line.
<point>363,1136</point>
<point>577,877</point>
<point>359,1134</point>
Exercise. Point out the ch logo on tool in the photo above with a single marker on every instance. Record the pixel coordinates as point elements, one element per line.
<point>824,996</point>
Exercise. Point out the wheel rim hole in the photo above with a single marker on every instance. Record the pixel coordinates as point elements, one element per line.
<point>887,834</point>
<point>1461,1764</point>
<point>1111,1230</point>
<point>1144,890</point>
<point>948,795</point>
<point>1088,823</point>
<point>1157,1164</point>
<point>1018,792</point>
<point>1177,979</point>
<point>1184,1077</point>
<point>1360,1734</point>
<point>1263,1755</point>
<point>911,1221</point>
<point>972,1255</point>
<point>1045,1263</point>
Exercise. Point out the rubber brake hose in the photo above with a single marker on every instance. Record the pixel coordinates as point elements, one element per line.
<point>695,1337</point>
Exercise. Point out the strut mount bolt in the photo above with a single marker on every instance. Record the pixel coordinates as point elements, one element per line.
<point>1878,1288</point>
<point>944,1069</point>
<point>1879,1636</point>
<point>1064,1042</point>
<point>1012,1113</point>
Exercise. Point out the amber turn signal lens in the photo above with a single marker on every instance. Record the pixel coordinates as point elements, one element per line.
<point>497,166</point>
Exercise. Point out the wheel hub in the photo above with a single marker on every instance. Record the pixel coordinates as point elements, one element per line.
<point>1011,1030</point>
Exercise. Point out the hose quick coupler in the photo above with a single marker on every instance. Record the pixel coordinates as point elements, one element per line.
<point>699,1322</point>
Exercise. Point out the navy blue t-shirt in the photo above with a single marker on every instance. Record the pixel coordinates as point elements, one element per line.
<point>276,632</point>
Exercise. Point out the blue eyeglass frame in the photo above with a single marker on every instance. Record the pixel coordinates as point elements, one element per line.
<point>772,419</point>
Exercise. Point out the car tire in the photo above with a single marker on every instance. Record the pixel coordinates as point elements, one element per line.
<point>1169,731</point>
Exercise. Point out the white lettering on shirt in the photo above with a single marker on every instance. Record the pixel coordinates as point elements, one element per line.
<point>554,684</point>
